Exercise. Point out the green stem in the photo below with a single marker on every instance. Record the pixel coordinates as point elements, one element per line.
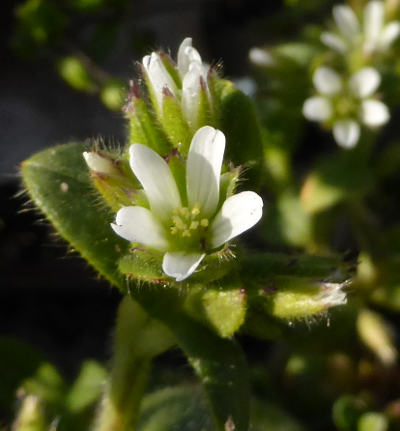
<point>137,340</point>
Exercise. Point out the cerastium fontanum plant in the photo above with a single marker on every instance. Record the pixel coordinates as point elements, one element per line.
<point>164,218</point>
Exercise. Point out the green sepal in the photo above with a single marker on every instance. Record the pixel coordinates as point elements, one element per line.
<point>143,128</point>
<point>171,68</point>
<point>239,123</point>
<point>222,308</point>
<point>206,115</point>
<point>174,125</point>
<point>178,168</point>
<point>57,180</point>
<point>142,266</point>
<point>214,267</point>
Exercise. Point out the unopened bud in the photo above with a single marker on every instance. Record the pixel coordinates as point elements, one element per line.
<point>98,163</point>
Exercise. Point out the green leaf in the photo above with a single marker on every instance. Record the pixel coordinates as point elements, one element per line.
<point>87,388</point>
<point>58,182</point>
<point>179,408</point>
<point>18,361</point>
<point>265,266</point>
<point>340,177</point>
<point>239,123</point>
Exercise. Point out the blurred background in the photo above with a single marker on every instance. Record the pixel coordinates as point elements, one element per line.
<point>65,66</point>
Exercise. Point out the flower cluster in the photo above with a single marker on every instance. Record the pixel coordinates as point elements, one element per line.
<point>373,34</point>
<point>185,223</point>
<point>347,101</point>
<point>345,104</point>
<point>189,86</point>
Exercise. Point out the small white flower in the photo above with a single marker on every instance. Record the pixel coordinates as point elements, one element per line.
<point>193,76</point>
<point>186,227</point>
<point>372,35</point>
<point>346,104</point>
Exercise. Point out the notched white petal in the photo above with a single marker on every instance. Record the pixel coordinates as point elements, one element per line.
<point>389,34</point>
<point>335,42</point>
<point>156,178</point>
<point>374,113</point>
<point>327,81</point>
<point>346,133</point>
<point>346,20</point>
<point>374,16</point>
<point>187,55</point>
<point>317,109</point>
<point>137,224</point>
<point>238,213</point>
<point>190,99</point>
<point>181,265</point>
<point>203,169</point>
<point>365,82</point>
<point>158,76</point>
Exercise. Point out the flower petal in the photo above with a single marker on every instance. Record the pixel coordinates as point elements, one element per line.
<point>261,57</point>
<point>346,133</point>
<point>327,81</point>
<point>374,113</point>
<point>181,265</point>
<point>158,76</point>
<point>335,42</point>
<point>187,55</point>
<point>137,224</point>
<point>238,213</point>
<point>190,100</point>
<point>156,178</point>
<point>346,20</point>
<point>389,34</point>
<point>203,169</point>
<point>374,16</point>
<point>365,82</point>
<point>317,108</point>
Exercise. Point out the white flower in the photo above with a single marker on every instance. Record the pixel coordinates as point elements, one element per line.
<point>372,35</point>
<point>185,225</point>
<point>345,105</point>
<point>193,76</point>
